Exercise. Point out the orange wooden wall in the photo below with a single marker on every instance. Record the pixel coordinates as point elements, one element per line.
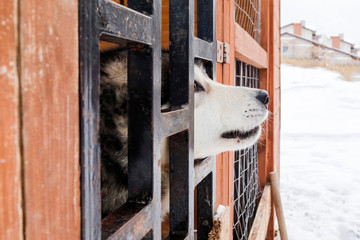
<point>39,123</point>
<point>10,157</point>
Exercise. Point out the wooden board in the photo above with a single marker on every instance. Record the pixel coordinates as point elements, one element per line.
<point>50,110</point>
<point>225,75</point>
<point>262,217</point>
<point>248,50</point>
<point>10,157</point>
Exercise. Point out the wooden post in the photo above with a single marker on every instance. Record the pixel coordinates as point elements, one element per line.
<point>269,150</point>
<point>225,32</point>
<point>275,193</point>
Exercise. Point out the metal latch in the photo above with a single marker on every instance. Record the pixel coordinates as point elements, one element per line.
<point>222,52</point>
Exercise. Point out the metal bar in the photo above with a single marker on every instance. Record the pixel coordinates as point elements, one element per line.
<point>204,207</point>
<point>156,9</point>
<point>144,88</point>
<point>140,134</point>
<point>204,168</point>
<point>131,221</point>
<point>90,148</point>
<point>203,49</point>
<point>175,121</point>
<point>118,21</point>
<point>181,16</point>
<point>181,189</point>
<point>205,21</point>
<point>181,36</point>
<point>205,177</point>
<point>214,63</point>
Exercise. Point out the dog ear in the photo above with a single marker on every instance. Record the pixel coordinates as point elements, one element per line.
<point>205,66</point>
<point>200,64</point>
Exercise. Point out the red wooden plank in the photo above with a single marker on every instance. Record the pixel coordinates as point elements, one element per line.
<point>264,84</point>
<point>262,217</point>
<point>49,76</point>
<point>10,157</point>
<point>225,74</point>
<point>248,50</point>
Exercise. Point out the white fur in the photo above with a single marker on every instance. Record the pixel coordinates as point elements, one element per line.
<point>222,108</point>
<point>218,109</point>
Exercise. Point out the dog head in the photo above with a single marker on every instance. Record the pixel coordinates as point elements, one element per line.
<point>226,118</point>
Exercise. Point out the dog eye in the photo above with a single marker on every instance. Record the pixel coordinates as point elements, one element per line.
<point>198,87</point>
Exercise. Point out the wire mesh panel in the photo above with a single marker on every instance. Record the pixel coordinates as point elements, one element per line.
<point>246,181</point>
<point>247,15</point>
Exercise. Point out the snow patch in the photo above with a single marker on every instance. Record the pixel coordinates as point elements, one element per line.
<point>320,150</point>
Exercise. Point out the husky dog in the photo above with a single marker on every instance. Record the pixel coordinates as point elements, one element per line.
<point>226,118</point>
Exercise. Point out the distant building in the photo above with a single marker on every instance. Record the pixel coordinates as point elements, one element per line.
<point>299,29</point>
<point>338,42</point>
<point>300,42</point>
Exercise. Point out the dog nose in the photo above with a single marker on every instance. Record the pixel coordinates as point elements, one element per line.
<point>263,97</point>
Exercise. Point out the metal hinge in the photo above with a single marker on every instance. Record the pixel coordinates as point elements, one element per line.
<point>222,52</point>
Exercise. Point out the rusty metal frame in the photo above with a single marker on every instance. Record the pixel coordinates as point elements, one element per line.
<point>138,27</point>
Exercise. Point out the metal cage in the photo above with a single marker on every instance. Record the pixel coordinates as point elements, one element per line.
<point>138,26</point>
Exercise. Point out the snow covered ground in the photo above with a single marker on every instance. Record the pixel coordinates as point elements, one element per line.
<point>320,154</point>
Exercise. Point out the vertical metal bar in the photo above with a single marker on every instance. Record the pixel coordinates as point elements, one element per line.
<point>140,134</point>
<point>204,207</point>
<point>144,79</point>
<point>181,195</point>
<point>214,64</point>
<point>241,73</point>
<point>181,22</point>
<point>89,124</point>
<point>206,30</point>
<point>205,21</point>
<point>237,71</point>
<point>156,16</point>
<point>246,73</point>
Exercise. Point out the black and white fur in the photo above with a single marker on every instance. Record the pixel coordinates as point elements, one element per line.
<point>226,118</point>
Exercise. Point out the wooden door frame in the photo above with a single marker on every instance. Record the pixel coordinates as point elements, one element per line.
<point>225,75</point>
<point>264,56</point>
